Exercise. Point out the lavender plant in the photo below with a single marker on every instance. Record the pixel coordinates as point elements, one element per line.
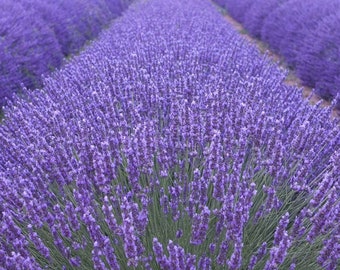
<point>25,51</point>
<point>74,22</point>
<point>237,9</point>
<point>173,145</point>
<point>302,32</point>
<point>295,24</point>
<point>322,57</point>
<point>57,29</point>
<point>307,44</point>
<point>257,14</point>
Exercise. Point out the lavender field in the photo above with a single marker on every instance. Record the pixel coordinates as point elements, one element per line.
<point>169,142</point>
<point>35,36</point>
<point>305,33</point>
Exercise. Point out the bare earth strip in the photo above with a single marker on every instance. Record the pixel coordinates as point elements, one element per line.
<point>291,78</point>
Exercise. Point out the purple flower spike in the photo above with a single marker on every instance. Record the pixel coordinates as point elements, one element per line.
<point>200,226</point>
<point>159,254</point>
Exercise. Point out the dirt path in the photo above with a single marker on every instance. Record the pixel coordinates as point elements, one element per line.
<point>291,78</point>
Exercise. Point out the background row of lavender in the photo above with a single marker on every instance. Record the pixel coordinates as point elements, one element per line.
<point>305,33</point>
<point>35,36</point>
<point>169,143</point>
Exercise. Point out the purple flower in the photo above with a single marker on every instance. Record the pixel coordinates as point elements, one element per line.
<point>279,233</point>
<point>150,149</point>
<point>58,30</point>
<point>159,254</point>
<point>200,226</point>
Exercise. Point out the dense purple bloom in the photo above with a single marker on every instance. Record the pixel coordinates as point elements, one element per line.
<point>276,22</point>
<point>330,253</point>
<point>25,52</point>
<point>318,60</point>
<point>297,19</point>
<point>222,255</point>
<point>204,263</point>
<point>159,254</point>
<point>157,146</point>
<point>57,29</point>
<point>238,9</point>
<point>303,32</point>
<point>257,14</point>
<point>200,226</point>
<point>235,261</point>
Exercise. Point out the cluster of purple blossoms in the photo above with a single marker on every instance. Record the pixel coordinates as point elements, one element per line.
<point>169,143</point>
<point>36,35</point>
<point>305,33</point>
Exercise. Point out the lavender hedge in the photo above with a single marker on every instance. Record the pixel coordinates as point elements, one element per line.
<point>35,36</point>
<point>25,52</point>
<point>169,143</point>
<point>259,14</point>
<point>305,33</point>
<point>237,9</point>
<point>322,57</point>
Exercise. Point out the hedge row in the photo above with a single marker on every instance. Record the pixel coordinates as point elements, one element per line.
<point>305,33</point>
<point>35,36</point>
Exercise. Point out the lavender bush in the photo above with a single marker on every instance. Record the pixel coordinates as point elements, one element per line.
<point>76,21</point>
<point>293,22</point>
<point>257,14</point>
<point>25,52</point>
<point>173,145</point>
<point>56,30</point>
<point>303,32</point>
<point>237,9</point>
<point>319,66</point>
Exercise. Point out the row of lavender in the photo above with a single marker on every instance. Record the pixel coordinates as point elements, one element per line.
<point>169,143</point>
<point>305,33</point>
<point>35,36</point>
